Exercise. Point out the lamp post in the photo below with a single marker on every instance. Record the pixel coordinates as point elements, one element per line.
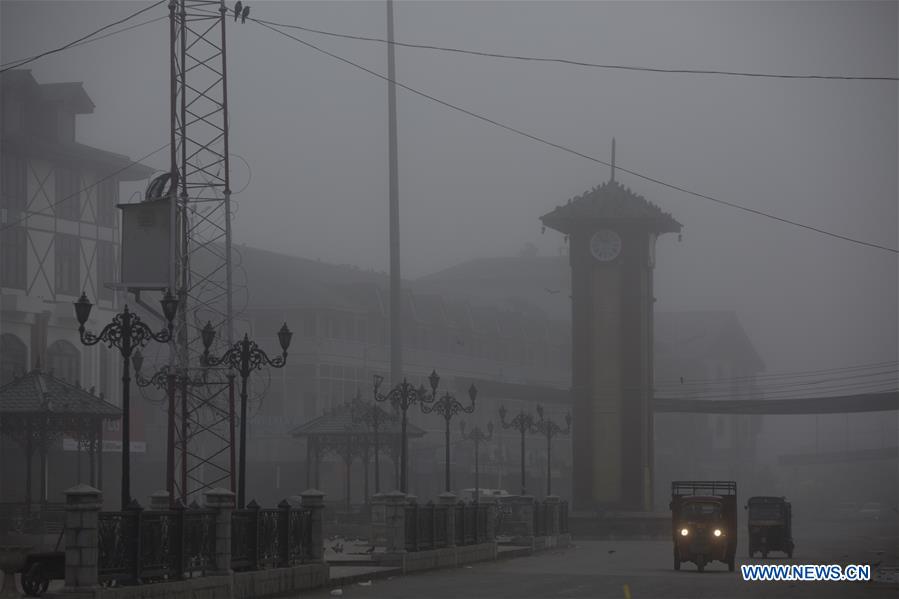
<point>448,406</point>
<point>477,435</point>
<point>550,429</point>
<point>402,397</point>
<point>126,333</point>
<point>372,417</point>
<point>245,357</point>
<point>523,423</point>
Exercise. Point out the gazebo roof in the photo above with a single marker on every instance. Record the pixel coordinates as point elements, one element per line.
<point>610,202</point>
<point>339,421</point>
<point>40,393</point>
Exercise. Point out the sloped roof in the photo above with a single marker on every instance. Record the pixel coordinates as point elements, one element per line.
<point>339,421</point>
<point>125,168</point>
<point>39,393</point>
<point>610,202</point>
<point>72,94</point>
<point>703,334</point>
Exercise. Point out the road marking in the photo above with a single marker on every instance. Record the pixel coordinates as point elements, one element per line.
<point>627,592</point>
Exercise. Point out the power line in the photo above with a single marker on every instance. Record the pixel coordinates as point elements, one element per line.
<point>80,191</point>
<point>20,63</point>
<point>581,154</point>
<point>578,63</point>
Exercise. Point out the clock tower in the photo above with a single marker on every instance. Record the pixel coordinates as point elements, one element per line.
<point>612,234</point>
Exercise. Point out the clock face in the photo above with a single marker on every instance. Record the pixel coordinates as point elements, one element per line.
<point>605,245</point>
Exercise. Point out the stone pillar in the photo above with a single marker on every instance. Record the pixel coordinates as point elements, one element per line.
<point>553,522</point>
<point>83,505</point>
<point>525,505</point>
<point>395,508</point>
<point>491,520</point>
<point>314,500</point>
<point>159,500</point>
<point>377,535</point>
<point>222,501</point>
<point>448,501</point>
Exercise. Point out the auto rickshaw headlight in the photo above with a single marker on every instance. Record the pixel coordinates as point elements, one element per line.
<point>717,532</point>
<point>684,532</point>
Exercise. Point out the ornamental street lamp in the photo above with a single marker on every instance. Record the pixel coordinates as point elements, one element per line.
<point>477,435</point>
<point>126,333</point>
<point>523,423</point>
<point>245,357</point>
<point>402,397</point>
<point>373,418</point>
<point>448,406</point>
<point>550,429</point>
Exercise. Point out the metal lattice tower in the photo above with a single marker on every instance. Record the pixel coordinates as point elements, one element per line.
<point>204,442</point>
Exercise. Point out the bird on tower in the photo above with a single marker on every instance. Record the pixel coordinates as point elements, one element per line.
<point>244,14</point>
<point>237,9</point>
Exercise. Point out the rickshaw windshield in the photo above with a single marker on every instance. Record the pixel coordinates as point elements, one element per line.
<point>763,511</point>
<point>701,509</point>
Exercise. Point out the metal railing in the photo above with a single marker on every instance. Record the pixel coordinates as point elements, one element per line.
<point>138,546</point>
<point>427,526</point>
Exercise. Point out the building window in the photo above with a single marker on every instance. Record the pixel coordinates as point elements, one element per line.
<point>68,264</point>
<point>108,197</point>
<point>309,324</point>
<point>64,361</point>
<point>13,263</point>
<point>68,194</point>
<point>13,358</point>
<point>13,186</point>
<point>105,269</point>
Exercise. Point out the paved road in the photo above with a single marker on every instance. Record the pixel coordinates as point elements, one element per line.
<point>600,569</point>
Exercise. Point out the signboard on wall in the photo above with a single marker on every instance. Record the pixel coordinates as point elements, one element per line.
<point>146,244</point>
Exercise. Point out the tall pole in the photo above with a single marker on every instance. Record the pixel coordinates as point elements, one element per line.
<point>126,425</point>
<point>477,472</point>
<point>396,337</point>
<point>523,481</point>
<point>447,461</point>
<point>242,474</point>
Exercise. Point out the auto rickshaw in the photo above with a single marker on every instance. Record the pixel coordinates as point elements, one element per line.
<point>770,525</point>
<point>704,522</point>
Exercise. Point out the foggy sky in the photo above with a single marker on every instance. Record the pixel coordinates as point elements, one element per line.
<point>315,133</point>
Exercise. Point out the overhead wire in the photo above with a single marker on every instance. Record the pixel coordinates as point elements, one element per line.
<point>22,62</point>
<point>578,63</point>
<point>581,154</point>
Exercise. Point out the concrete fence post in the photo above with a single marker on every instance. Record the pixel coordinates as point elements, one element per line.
<point>553,526</point>
<point>395,508</point>
<point>377,533</point>
<point>314,500</point>
<point>83,505</point>
<point>222,501</point>
<point>447,501</point>
<point>526,514</point>
<point>491,521</point>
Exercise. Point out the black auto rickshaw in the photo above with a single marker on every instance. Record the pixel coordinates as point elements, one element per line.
<point>770,525</point>
<point>704,522</point>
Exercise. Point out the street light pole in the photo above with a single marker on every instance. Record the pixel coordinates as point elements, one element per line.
<point>245,357</point>
<point>402,397</point>
<point>126,333</point>
<point>448,406</point>
<point>477,435</point>
<point>523,423</point>
<point>550,429</point>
